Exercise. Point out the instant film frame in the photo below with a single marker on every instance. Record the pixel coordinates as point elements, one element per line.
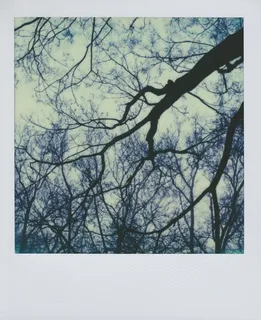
<point>144,286</point>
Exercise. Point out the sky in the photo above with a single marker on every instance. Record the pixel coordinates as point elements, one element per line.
<point>73,48</point>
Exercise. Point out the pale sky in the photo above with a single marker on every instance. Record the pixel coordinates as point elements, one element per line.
<point>26,104</point>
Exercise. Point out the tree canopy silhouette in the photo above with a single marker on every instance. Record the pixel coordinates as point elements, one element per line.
<point>134,138</point>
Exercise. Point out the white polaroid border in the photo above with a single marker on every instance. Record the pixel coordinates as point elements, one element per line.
<point>187,287</point>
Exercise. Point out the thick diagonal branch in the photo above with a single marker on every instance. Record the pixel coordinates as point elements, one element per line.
<point>156,91</point>
<point>226,51</point>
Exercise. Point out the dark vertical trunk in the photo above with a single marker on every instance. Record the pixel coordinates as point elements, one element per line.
<point>192,222</point>
<point>217,222</point>
<point>23,238</point>
<point>120,239</point>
